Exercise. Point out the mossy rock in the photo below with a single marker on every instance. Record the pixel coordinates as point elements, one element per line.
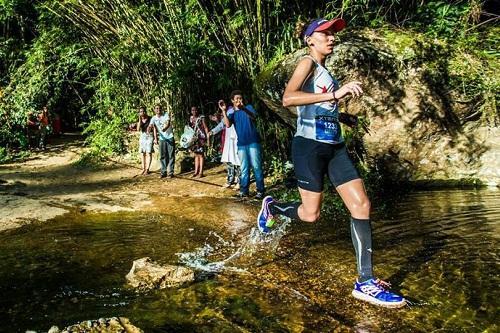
<point>419,127</point>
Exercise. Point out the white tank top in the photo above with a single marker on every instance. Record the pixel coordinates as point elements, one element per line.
<point>319,121</point>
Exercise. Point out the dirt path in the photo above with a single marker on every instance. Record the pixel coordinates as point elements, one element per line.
<point>48,184</point>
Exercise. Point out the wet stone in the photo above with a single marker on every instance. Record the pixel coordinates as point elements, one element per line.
<point>146,274</point>
<point>102,325</point>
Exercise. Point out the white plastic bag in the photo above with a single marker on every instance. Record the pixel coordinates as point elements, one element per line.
<point>187,138</point>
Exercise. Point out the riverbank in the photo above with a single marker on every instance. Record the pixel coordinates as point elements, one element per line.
<point>49,184</point>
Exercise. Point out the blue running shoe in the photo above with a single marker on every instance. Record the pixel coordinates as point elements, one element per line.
<point>375,291</point>
<point>265,219</point>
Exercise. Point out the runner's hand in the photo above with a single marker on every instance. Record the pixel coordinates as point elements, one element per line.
<point>353,88</point>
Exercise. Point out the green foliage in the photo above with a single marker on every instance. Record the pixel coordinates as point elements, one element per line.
<point>277,169</point>
<point>444,19</point>
<point>4,155</point>
<point>53,64</point>
<point>89,159</point>
<point>7,156</point>
<point>106,135</point>
<point>17,27</point>
<point>114,55</point>
<point>465,68</point>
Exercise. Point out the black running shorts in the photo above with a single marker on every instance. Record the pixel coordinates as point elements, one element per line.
<point>313,159</point>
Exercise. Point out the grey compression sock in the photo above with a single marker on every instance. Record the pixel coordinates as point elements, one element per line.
<point>289,209</point>
<point>361,235</point>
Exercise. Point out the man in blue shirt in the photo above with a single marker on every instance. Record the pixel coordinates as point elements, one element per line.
<point>249,149</point>
<point>164,136</point>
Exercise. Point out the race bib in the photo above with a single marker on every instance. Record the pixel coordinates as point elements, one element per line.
<point>327,128</point>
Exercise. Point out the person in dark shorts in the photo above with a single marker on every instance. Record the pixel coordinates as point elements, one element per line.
<point>318,149</point>
<point>199,125</point>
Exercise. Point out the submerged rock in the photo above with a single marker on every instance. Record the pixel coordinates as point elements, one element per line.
<point>101,325</point>
<point>146,274</point>
<point>419,130</point>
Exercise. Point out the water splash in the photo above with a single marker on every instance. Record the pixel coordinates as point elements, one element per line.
<point>415,303</point>
<point>218,254</point>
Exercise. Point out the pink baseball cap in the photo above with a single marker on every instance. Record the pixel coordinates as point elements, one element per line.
<point>322,24</point>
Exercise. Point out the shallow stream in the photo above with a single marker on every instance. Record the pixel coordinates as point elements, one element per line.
<point>438,248</point>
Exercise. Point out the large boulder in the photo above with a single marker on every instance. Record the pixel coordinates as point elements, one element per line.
<point>419,130</point>
<point>146,274</point>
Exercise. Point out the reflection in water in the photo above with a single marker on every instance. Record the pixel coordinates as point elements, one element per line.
<point>451,261</point>
<point>438,248</point>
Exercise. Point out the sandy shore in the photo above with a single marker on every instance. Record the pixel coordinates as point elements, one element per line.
<point>48,184</point>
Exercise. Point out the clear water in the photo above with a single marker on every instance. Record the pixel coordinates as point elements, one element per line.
<point>438,248</point>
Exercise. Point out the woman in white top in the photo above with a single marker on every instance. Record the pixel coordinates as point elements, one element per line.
<point>145,139</point>
<point>229,139</point>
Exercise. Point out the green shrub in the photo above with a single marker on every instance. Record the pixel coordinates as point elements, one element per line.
<point>91,158</point>
<point>4,155</point>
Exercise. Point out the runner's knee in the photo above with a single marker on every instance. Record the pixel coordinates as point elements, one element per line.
<point>361,208</point>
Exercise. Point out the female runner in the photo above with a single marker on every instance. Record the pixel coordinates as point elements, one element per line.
<point>318,148</point>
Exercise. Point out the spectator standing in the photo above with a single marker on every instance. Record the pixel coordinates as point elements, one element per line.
<point>229,141</point>
<point>33,127</point>
<point>249,149</point>
<point>198,123</point>
<point>164,137</point>
<point>44,121</point>
<point>145,139</point>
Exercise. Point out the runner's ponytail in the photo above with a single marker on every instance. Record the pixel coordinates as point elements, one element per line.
<point>300,28</point>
